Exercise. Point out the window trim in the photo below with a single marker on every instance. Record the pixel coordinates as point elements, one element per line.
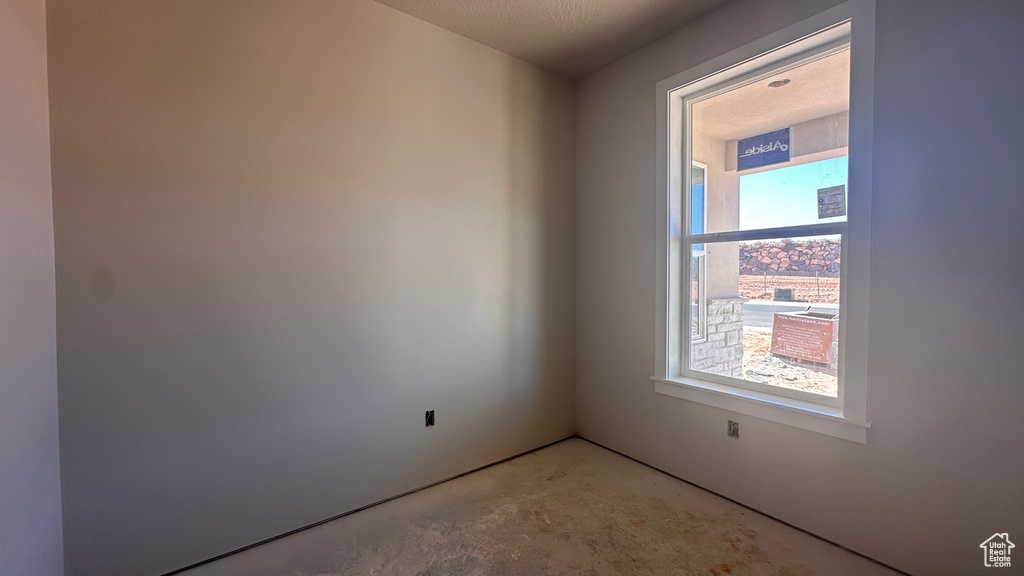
<point>791,44</point>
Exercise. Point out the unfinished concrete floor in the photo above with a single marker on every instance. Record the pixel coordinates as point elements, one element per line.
<point>570,508</point>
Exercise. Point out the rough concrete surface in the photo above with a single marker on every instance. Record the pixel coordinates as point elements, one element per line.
<point>570,508</point>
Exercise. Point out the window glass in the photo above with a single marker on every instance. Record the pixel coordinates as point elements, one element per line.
<point>697,216</point>
<point>771,144</point>
<point>782,327</point>
<point>788,196</point>
<point>697,199</point>
<point>769,153</point>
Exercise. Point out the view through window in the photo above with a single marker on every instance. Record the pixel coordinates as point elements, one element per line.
<point>766,225</point>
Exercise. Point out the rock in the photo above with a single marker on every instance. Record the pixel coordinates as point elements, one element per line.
<point>791,258</point>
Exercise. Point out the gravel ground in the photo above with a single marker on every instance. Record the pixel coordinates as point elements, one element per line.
<point>760,366</point>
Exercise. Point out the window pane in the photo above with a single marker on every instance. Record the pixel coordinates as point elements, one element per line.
<point>697,214</point>
<point>696,290</point>
<point>771,312</point>
<point>775,149</point>
<point>697,210</point>
<point>789,196</point>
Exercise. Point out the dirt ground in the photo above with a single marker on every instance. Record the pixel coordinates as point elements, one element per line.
<point>818,290</point>
<point>760,366</point>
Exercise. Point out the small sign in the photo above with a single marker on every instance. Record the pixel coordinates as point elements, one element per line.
<point>762,150</point>
<point>812,336</point>
<point>832,201</point>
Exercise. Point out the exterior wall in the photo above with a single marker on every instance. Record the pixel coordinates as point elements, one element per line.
<point>723,205</point>
<point>936,477</point>
<point>814,140</point>
<point>284,231</point>
<point>30,511</point>
<point>721,351</point>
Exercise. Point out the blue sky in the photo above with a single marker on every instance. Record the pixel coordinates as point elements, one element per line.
<point>788,196</point>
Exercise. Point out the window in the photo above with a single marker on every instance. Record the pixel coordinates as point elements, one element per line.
<point>772,233</point>
<point>698,221</point>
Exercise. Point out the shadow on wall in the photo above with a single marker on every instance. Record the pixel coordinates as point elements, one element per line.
<point>540,245</point>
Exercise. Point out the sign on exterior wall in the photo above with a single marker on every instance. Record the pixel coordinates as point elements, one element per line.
<point>762,150</point>
<point>832,201</point>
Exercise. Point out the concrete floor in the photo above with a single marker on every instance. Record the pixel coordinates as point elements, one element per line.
<point>571,508</point>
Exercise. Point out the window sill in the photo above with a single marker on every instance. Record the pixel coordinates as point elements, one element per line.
<point>822,419</point>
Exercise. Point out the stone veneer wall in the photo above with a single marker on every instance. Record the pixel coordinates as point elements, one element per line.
<point>721,352</point>
<point>791,258</point>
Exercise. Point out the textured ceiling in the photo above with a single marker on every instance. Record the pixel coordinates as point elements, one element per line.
<point>816,89</point>
<point>571,37</point>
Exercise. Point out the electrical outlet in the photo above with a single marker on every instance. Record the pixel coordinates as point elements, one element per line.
<point>734,429</point>
<point>430,418</point>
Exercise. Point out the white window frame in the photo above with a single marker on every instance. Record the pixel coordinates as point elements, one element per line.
<point>852,22</point>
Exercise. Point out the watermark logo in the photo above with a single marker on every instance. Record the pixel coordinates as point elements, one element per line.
<point>997,550</point>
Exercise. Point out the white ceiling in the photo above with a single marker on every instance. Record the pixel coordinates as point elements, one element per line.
<point>571,37</point>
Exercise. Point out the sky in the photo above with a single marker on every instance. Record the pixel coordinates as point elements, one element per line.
<point>788,196</point>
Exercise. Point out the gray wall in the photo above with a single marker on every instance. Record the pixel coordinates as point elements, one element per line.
<point>30,522</point>
<point>942,468</point>
<point>283,232</point>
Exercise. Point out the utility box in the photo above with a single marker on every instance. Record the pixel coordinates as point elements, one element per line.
<point>784,294</point>
<point>809,336</point>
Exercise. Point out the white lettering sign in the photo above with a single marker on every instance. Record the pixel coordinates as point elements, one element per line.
<point>764,148</point>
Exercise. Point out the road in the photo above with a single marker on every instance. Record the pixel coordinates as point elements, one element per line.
<point>759,313</point>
